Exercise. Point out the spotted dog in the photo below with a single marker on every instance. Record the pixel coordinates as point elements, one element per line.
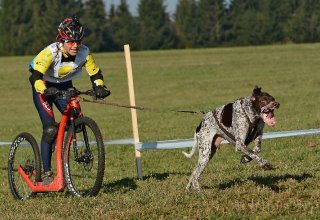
<point>240,123</point>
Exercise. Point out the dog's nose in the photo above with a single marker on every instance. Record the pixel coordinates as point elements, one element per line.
<point>276,104</point>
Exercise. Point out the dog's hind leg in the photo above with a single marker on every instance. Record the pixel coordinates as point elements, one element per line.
<point>206,151</point>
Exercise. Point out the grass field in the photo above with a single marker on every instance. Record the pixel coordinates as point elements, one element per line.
<point>183,80</point>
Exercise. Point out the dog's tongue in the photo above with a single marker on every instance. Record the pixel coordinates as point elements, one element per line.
<point>269,119</point>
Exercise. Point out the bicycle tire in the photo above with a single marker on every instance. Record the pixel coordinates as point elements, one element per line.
<point>80,178</point>
<point>24,152</point>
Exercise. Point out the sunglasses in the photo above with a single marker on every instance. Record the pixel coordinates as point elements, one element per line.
<point>72,42</point>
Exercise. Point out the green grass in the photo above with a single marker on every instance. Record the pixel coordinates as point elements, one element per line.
<point>183,80</point>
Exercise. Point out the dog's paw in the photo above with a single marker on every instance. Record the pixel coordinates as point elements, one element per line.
<point>245,159</point>
<point>193,186</point>
<point>267,166</point>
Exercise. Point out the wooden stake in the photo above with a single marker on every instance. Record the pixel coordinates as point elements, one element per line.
<point>133,111</point>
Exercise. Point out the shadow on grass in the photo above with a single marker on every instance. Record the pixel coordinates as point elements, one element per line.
<point>266,181</point>
<point>229,184</point>
<point>127,184</point>
<point>162,176</point>
<point>272,181</point>
<point>124,185</point>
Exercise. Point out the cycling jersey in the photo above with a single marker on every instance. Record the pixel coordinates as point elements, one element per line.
<point>55,66</point>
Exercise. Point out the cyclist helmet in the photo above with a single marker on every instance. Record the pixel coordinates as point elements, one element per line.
<point>70,29</point>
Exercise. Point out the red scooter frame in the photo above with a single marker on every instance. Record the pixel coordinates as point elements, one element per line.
<point>58,182</point>
<point>86,162</point>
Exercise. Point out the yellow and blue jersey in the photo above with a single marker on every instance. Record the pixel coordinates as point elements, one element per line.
<point>55,66</point>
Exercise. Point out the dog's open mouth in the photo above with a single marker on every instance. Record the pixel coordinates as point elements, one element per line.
<point>267,113</point>
<point>269,117</point>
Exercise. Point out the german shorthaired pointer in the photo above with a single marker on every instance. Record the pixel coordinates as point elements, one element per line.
<point>240,123</point>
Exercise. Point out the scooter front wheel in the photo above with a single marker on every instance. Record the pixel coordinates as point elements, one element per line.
<point>84,158</point>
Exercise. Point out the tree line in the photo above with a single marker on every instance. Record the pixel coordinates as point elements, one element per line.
<point>28,26</point>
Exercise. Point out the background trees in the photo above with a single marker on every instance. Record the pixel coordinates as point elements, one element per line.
<point>209,16</point>
<point>304,25</point>
<point>26,27</point>
<point>96,27</point>
<point>155,29</point>
<point>123,27</point>
<point>186,21</point>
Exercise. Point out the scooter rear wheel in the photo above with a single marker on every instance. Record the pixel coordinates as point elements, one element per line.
<point>24,153</point>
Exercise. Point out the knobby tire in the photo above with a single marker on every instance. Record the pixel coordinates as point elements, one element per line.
<point>24,152</point>
<point>80,177</point>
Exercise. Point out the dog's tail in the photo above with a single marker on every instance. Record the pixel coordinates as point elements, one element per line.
<point>193,150</point>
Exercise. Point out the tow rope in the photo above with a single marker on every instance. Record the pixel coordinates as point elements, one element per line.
<point>103,102</point>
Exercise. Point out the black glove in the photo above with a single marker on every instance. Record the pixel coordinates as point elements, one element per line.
<point>51,91</point>
<point>101,91</point>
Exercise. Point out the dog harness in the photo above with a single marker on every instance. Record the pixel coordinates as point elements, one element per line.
<point>253,128</point>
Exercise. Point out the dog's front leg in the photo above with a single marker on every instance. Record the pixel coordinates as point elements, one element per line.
<point>240,146</point>
<point>257,144</point>
<point>258,137</point>
<point>241,131</point>
<point>256,149</point>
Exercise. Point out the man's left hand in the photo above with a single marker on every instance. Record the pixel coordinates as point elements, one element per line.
<point>101,92</point>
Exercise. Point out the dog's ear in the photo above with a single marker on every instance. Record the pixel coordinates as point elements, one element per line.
<point>256,91</point>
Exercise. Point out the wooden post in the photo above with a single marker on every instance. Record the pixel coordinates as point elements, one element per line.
<point>133,111</point>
